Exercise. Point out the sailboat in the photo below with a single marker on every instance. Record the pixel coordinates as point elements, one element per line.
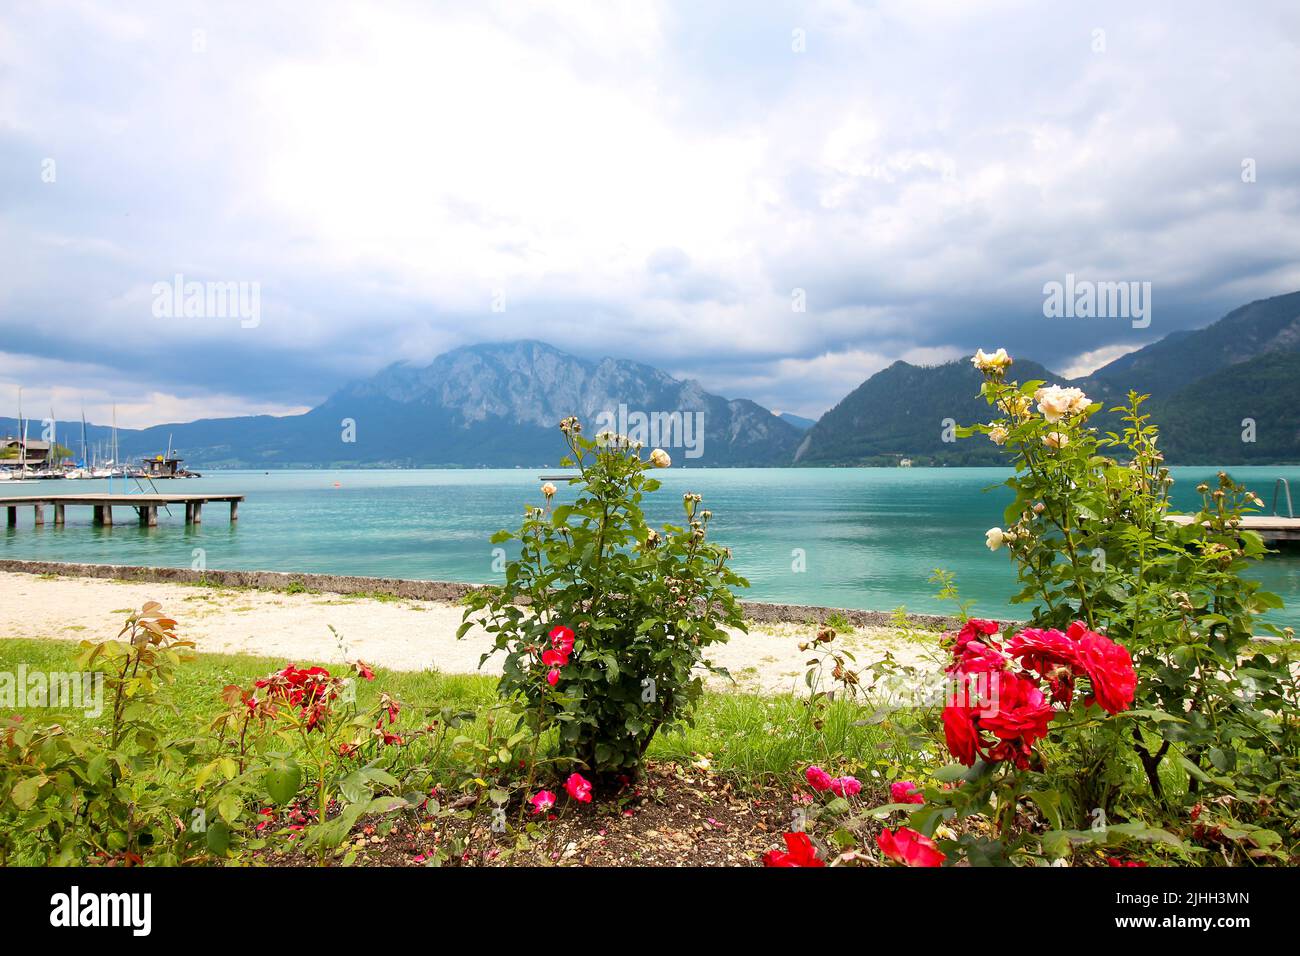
<point>51,468</point>
<point>18,476</point>
<point>83,469</point>
<point>111,468</point>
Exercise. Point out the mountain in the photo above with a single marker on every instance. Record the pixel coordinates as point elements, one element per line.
<point>497,405</point>
<point>1166,366</point>
<point>492,405</point>
<point>1245,413</point>
<point>1203,384</point>
<point>798,421</point>
<point>901,412</point>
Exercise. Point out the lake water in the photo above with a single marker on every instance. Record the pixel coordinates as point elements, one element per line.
<point>870,536</point>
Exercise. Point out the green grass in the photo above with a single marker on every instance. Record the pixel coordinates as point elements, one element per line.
<point>840,624</point>
<point>751,737</point>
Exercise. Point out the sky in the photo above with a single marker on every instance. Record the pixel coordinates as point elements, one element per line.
<point>775,199</point>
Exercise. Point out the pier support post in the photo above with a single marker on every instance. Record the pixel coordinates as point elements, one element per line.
<point>13,516</point>
<point>234,511</point>
<point>151,516</point>
<point>189,513</point>
<point>106,513</point>
<point>38,515</point>
<point>58,515</point>
<point>198,512</point>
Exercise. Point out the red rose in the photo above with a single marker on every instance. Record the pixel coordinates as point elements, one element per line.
<point>1110,671</point>
<point>552,657</point>
<point>1013,709</point>
<point>1018,715</point>
<point>1051,655</point>
<point>562,639</point>
<point>960,731</point>
<point>910,848</point>
<point>799,852</point>
<point>973,644</point>
<point>974,627</point>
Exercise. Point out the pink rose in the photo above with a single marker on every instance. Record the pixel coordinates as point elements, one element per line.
<point>905,791</point>
<point>543,801</point>
<point>846,786</point>
<point>578,787</point>
<point>818,778</point>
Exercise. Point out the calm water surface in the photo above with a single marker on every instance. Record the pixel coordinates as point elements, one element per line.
<point>871,536</point>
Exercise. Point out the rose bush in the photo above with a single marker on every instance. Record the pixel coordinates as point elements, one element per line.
<point>1147,623</point>
<point>1092,538</point>
<point>604,620</point>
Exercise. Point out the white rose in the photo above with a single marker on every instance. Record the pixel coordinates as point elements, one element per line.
<point>1055,402</point>
<point>659,458</point>
<point>548,490</point>
<point>1056,440</point>
<point>994,538</point>
<point>983,361</point>
<point>998,435</point>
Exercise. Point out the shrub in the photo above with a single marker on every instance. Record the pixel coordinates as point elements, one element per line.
<point>604,620</point>
<point>1137,706</point>
<point>112,797</point>
<point>1091,537</point>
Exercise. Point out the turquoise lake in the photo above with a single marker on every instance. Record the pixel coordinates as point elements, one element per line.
<point>870,536</point>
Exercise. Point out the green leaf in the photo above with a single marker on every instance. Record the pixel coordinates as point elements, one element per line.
<point>1048,801</point>
<point>24,792</point>
<point>218,838</point>
<point>951,773</point>
<point>282,779</point>
<point>228,807</point>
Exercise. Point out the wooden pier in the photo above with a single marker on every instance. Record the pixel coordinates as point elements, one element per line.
<point>1269,527</point>
<point>146,506</point>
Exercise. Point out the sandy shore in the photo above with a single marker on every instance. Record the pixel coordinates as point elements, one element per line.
<point>401,634</point>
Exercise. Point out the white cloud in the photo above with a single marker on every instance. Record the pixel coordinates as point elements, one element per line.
<point>1089,362</point>
<point>384,170</point>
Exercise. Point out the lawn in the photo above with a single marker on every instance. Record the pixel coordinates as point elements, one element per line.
<point>718,792</point>
<point>752,738</point>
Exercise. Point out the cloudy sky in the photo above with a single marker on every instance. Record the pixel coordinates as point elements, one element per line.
<point>652,181</point>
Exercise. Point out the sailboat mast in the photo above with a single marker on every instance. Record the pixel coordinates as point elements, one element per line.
<point>22,433</point>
